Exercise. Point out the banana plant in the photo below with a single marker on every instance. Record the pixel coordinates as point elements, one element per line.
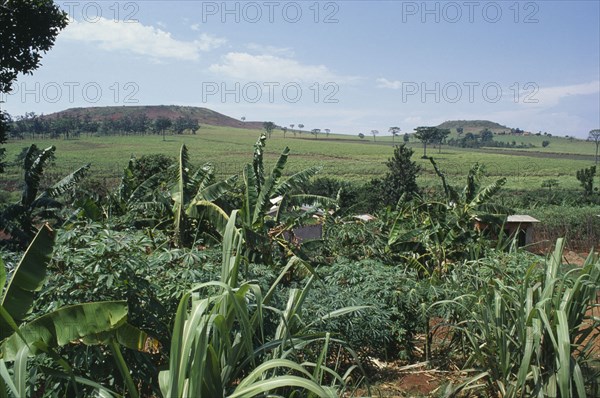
<point>90,323</point>
<point>143,204</point>
<point>437,233</point>
<point>193,196</point>
<point>27,278</point>
<point>185,205</point>
<point>19,219</point>
<point>258,191</point>
<point>474,202</point>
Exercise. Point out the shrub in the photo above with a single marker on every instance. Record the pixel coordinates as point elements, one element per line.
<point>148,165</point>
<point>387,328</point>
<point>401,178</point>
<point>585,177</point>
<point>355,240</point>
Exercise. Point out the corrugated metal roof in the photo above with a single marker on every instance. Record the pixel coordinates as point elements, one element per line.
<point>521,218</point>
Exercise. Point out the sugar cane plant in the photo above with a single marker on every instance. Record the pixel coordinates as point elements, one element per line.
<point>220,348</point>
<point>532,337</point>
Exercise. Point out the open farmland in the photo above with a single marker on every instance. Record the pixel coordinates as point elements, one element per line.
<point>340,156</point>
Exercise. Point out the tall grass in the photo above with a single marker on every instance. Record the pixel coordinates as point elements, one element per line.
<point>532,336</point>
<point>221,349</point>
<point>580,226</point>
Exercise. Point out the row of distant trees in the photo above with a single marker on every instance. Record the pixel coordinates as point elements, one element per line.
<point>485,138</point>
<point>427,136</point>
<point>395,131</point>
<point>36,126</point>
<point>270,126</point>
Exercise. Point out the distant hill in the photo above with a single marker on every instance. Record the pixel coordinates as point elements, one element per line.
<point>474,126</point>
<point>202,115</point>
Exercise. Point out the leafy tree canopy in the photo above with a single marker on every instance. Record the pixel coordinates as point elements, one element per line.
<point>269,127</point>
<point>29,28</point>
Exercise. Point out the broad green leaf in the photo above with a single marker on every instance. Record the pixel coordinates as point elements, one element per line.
<point>67,324</point>
<point>267,191</point>
<point>68,182</point>
<point>26,279</point>
<point>34,169</point>
<point>213,214</point>
<point>217,190</point>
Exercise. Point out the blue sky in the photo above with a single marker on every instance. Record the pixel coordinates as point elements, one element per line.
<point>350,66</point>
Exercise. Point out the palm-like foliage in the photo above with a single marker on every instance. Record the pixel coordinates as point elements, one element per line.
<point>19,220</point>
<point>258,192</point>
<point>179,198</point>
<point>434,234</point>
<point>473,203</point>
<point>193,197</point>
<point>145,203</point>
<point>27,278</point>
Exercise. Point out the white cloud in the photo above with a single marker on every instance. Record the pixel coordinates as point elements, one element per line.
<point>385,83</point>
<point>270,50</point>
<point>139,39</point>
<point>209,42</point>
<point>244,66</point>
<point>551,96</point>
<point>195,27</point>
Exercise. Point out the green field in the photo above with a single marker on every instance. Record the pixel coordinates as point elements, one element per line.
<point>344,157</point>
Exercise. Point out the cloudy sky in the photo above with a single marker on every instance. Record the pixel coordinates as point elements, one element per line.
<point>350,66</point>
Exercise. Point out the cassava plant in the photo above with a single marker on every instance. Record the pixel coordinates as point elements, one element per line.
<point>90,323</point>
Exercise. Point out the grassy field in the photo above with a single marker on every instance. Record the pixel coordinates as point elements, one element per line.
<point>344,157</point>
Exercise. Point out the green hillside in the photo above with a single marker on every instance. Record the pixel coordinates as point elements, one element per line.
<point>473,126</point>
<point>172,112</point>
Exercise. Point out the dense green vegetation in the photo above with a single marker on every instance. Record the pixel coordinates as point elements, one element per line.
<point>189,263</point>
<point>178,281</point>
